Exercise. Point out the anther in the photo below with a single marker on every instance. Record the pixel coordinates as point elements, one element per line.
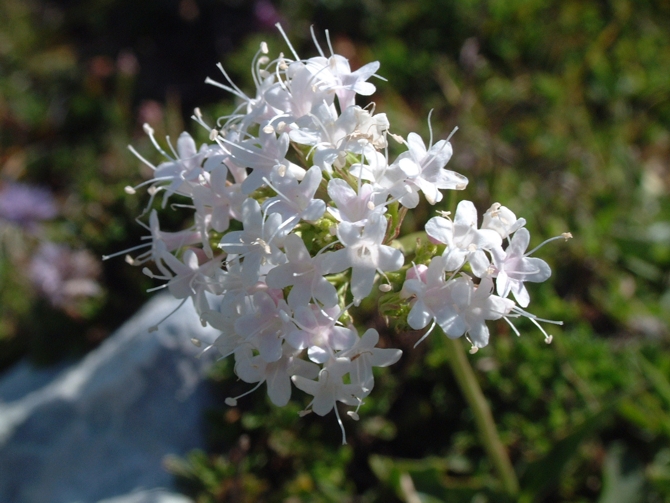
<point>129,190</point>
<point>196,342</point>
<point>397,138</point>
<point>473,350</point>
<point>213,134</point>
<point>385,287</point>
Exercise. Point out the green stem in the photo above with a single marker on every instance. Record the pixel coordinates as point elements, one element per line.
<point>483,418</point>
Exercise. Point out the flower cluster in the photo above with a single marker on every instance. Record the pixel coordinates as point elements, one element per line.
<point>296,207</point>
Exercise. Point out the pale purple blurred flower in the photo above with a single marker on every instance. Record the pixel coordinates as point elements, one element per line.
<point>266,14</point>
<point>64,276</point>
<point>25,204</point>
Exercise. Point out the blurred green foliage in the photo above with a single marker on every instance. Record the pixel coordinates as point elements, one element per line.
<point>563,111</point>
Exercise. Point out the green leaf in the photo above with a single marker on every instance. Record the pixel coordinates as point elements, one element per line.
<point>542,475</point>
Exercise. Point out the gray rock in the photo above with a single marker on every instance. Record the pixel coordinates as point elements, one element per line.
<point>153,496</point>
<point>101,427</point>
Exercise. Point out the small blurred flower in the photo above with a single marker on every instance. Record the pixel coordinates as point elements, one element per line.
<point>65,276</point>
<point>266,14</point>
<point>25,205</point>
<point>127,63</point>
<point>150,112</point>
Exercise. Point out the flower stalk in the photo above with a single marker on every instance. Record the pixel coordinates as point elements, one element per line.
<point>488,433</point>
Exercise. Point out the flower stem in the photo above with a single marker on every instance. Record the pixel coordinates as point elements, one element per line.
<point>483,418</point>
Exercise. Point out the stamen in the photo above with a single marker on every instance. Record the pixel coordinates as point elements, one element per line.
<point>154,328</point>
<point>232,401</point>
<point>316,42</point>
<point>426,334</point>
<point>137,154</point>
<point>565,235</point>
<point>150,131</point>
<point>330,46</point>
<point>144,245</point>
<point>339,421</point>
<point>516,331</point>
<point>430,129</point>
<point>288,42</point>
<point>452,133</point>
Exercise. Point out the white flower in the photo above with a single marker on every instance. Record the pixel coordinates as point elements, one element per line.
<point>264,155</point>
<point>502,220</point>
<point>424,170</point>
<point>470,308</point>
<point>428,288</point>
<point>464,241</point>
<point>320,333</point>
<point>364,355</point>
<point>304,274</point>
<point>351,207</point>
<point>266,326</point>
<point>257,244</point>
<point>330,387</point>
<point>336,75</point>
<point>277,375</point>
<point>513,267</point>
<point>365,254</point>
<point>295,201</point>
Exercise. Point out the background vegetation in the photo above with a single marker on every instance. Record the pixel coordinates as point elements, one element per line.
<point>564,114</point>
